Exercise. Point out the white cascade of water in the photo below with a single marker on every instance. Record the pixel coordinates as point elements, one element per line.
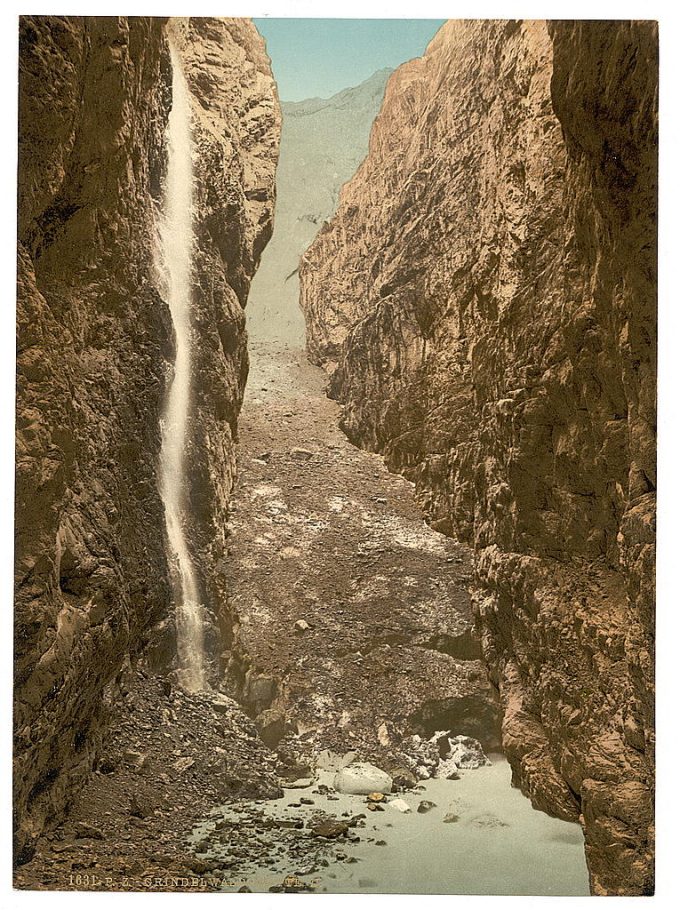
<point>175,254</point>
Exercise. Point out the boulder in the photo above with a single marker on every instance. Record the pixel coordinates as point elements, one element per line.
<point>271,725</point>
<point>467,752</point>
<point>330,828</point>
<point>425,805</point>
<point>362,778</point>
<point>403,779</point>
<point>400,805</point>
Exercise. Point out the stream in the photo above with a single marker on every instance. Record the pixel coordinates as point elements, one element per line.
<point>326,536</point>
<point>481,837</point>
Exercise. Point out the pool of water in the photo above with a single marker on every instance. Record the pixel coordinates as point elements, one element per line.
<point>493,843</point>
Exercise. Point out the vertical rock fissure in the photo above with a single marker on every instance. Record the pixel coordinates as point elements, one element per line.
<point>176,245</point>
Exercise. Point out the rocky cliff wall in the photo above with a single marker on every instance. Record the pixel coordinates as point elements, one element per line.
<point>485,302</point>
<point>236,125</point>
<point>95,348</point>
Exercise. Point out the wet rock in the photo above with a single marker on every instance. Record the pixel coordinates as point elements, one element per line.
<point>362,778</point>
<point>425,805</point>
<point>403,779</point>
<point>329,828</point>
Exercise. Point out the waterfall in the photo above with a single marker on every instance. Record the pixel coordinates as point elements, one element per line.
<point>176,248</point>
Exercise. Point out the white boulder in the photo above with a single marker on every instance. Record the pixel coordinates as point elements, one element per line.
<point>400,805</point>
<point>362,778</point>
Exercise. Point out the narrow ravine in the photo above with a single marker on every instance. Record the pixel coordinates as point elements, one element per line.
<point>249,656</point>
<point>354,642</point>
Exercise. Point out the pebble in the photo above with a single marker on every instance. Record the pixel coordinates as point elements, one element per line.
<point>425,805</point>
<point>400,805</point>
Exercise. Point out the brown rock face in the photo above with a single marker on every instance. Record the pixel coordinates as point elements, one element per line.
<point>94,346</point>
<point>236,125</point>
<point>485,300</point>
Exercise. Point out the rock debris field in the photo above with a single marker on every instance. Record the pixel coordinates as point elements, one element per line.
<point>353,756</point>
<point>353,615</point>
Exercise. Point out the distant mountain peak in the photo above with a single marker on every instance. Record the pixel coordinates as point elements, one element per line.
<point>323,141</point>
<point>375,82</point>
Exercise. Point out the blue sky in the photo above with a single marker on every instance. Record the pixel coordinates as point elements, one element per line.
<point>319,57</point>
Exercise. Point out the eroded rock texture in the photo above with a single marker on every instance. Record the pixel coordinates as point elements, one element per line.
<point>95,344</point>
<point>485,301</point>
<point>236,124</point>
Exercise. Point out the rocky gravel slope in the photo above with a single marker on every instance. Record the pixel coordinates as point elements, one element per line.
<point>353,623</point>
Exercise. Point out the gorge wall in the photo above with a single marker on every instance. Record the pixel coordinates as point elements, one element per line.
<point>95,353</point>
<point>484,300</point>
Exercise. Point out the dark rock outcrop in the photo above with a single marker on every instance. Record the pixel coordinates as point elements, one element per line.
<point>94,343</point>
<point>485,300</point>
